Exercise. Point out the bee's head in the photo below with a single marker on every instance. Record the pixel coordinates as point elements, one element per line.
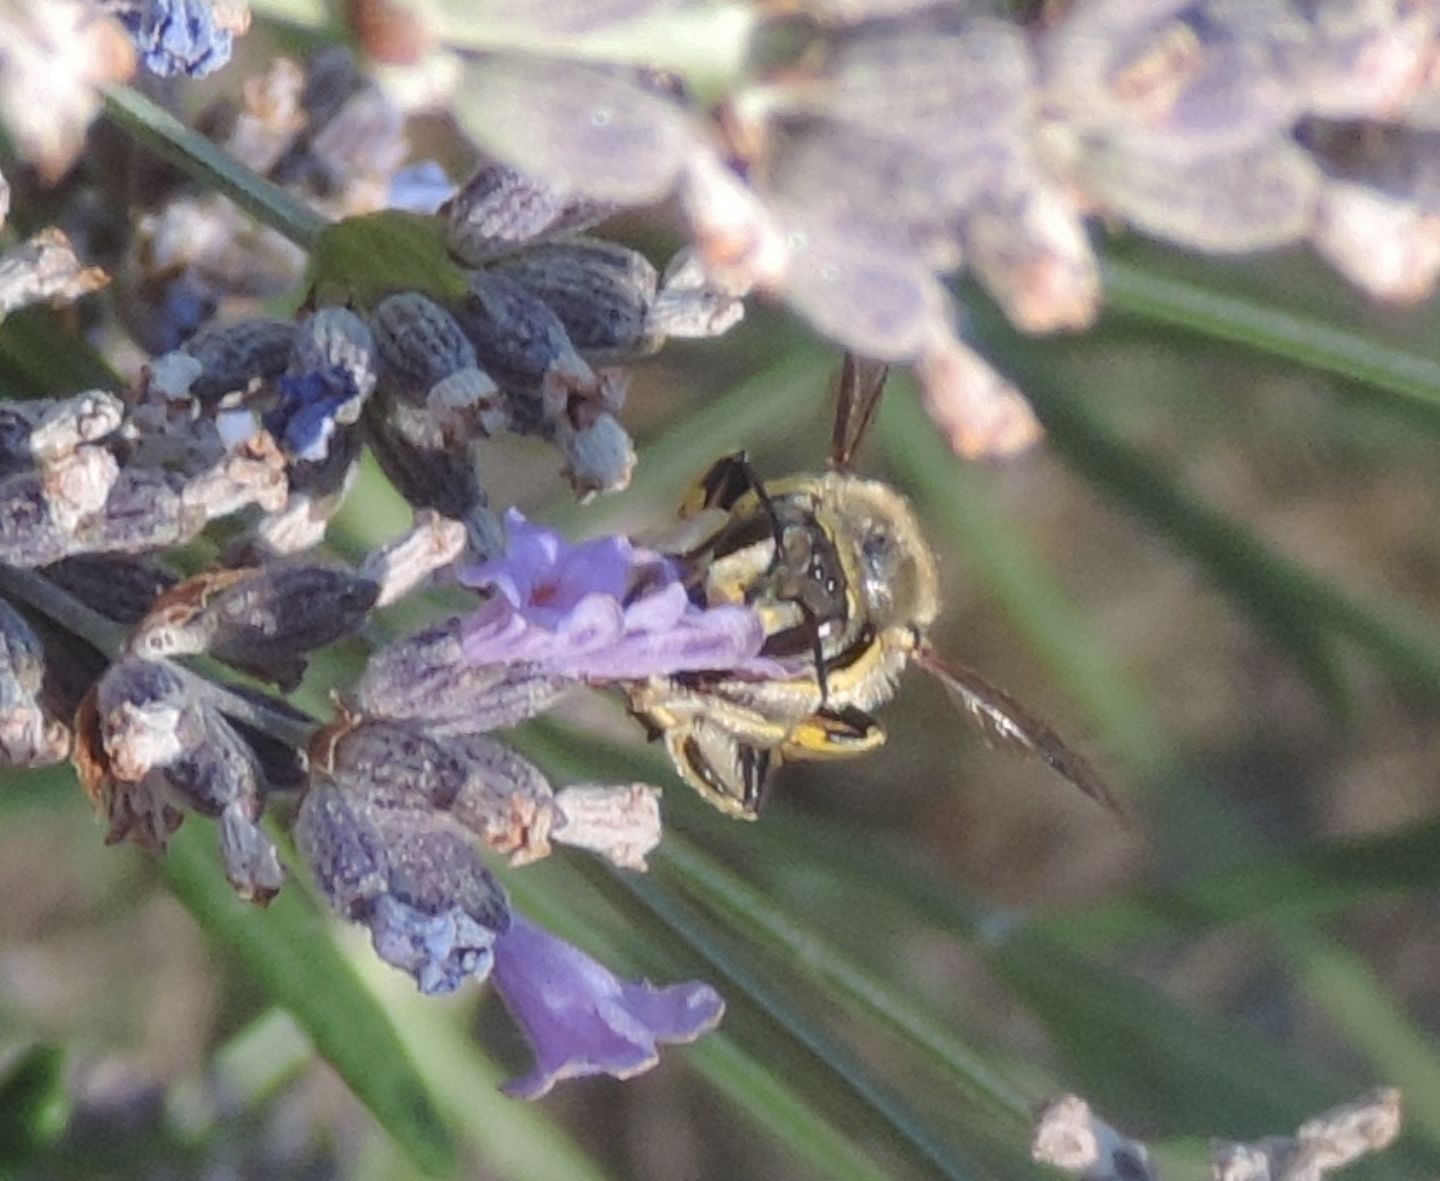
<point>889,566</point>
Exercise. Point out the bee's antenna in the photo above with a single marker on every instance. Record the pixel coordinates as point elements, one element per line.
<point>861,384</point>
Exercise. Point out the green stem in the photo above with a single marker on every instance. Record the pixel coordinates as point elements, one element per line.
<point>213,167</point>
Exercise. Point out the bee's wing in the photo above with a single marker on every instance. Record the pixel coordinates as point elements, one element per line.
<point>861,384</point>
<point>1006,722</point>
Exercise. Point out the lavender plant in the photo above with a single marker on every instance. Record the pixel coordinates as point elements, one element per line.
<point>164,533</point>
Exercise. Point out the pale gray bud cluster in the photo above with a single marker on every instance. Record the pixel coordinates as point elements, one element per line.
<point>73,482</point>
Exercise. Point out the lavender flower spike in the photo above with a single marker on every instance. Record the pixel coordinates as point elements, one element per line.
<point>580,1019</point>
<point>601,610</point>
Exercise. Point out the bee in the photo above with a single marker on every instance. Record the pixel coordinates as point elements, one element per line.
<point>847,587</point>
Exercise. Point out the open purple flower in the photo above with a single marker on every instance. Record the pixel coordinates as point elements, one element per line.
<point>601,610</point>
<point>580,1019</point>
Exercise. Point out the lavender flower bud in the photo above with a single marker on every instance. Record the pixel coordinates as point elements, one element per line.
<point>690,304</point>
<point>252,863</point>
<point>260,621</point>
<point>119,587</point>
<point>29,533</point>
<point>78,485</point>
<point>336,338</point>
<point>412,452</point>
<point>29,736</point>
<point>432,907</point>
<point>979,412</point>
<point>152,745</point>
<point>880,303</point>
<point>419,343</point>
<point>59,426</point>
<point>522,343</point>
<point>428,359</point>
<point>180,37</point>
<point>402,566</point>
<point>146,718</point>
<point>1026,243</point>
<point>1365,60</point>
<point>22,658</point>
<point>487,788</point>
<point>622,824</point>
<point>145,510</point>
<point>427,677</point>
<point>601,292</point>
<point>740,243</point>
<point>854,184</point>
<point>599,458</point>
<point>234,354</point>
<point>45,270</point>
<point>1186,80</point>
<point>498,210</point>
<point>1379,214</point>
<point>941,84</point>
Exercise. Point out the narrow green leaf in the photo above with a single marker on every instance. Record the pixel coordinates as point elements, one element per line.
<point>1364,1009</point>
<point>761,1092</point>
<point>1142,295</point>
<point>287,950</point>
<point>753,915</point>
<point>514,1140</point>
<point>39,357</point>
<point>785,1104</point>
<point>919,1141</point>
<point>212,166</point>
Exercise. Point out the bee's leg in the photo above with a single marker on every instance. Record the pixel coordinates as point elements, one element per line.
<point>812,625</point>
<point>724,482</point>
<point>727,773</point>
<point>729,479</point>
<point>833,734</point>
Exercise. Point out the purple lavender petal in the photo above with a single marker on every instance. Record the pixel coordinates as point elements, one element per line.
<point>580,1019</point>
<point>602,610</point>
<point>543,576</point>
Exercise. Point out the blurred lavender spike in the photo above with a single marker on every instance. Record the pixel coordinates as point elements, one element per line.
<point>597,131</point>
<point>1258,198</point>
